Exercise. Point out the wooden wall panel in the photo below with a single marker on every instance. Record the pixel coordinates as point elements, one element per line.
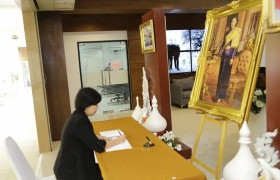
<point>95,22</point>
<point>156,65</point>
<point>136,63</point>
<point>54,67</point>
<point>273,85</point>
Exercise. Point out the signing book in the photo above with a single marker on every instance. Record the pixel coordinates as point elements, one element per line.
<point>114,134</point>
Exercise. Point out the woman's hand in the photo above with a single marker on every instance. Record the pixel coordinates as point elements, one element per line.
<point>113,142</point>
<point>103,137</point>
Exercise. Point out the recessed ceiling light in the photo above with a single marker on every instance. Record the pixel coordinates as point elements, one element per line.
<point>14,36</point>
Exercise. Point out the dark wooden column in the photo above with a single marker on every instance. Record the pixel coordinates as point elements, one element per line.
<point>273,85</point>
<point>136,63</point>
<point>54,67</point>
<point>156,65</point>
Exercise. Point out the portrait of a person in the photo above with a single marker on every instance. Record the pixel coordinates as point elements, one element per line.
<point>227,53</point>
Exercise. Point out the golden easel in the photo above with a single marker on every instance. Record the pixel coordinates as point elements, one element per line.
<point>220,121</point>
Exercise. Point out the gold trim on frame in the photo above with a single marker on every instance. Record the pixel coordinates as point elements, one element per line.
<point>248,43</point>
<point>147,37</point>
<point>271,25</point>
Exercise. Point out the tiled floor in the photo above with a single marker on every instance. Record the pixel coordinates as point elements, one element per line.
<point>185,125</point>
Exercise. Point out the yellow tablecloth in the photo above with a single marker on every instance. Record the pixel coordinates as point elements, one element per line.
<point>159,162</point>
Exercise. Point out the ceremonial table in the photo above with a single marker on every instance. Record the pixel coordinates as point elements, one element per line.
<point>159,162</point>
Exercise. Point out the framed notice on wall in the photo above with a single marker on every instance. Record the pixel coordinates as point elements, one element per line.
<point>147,37</point>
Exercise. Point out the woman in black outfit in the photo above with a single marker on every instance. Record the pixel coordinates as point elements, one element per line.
<point>75,159</point>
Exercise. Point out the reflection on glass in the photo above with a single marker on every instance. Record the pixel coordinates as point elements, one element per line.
<point>184,63</point>
<point>178,37</point>
<point>180,44</point>
<point>196,39</point>
<point>103,66</point>
<point>194,60</point>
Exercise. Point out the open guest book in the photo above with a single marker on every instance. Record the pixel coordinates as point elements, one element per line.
<point>114,134</point>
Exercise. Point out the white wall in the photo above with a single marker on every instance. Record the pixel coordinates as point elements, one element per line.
<point>71,55</point>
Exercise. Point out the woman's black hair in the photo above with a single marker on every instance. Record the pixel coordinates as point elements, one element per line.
<point>231,17</point>
<point>86,97</point>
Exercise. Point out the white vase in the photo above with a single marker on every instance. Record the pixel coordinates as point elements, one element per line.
<point>155,122</point>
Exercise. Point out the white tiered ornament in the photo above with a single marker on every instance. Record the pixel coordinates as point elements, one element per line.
<point>137,113</point>
<point>243,166</point>
<point>155,122</point>
<point>145,92</point>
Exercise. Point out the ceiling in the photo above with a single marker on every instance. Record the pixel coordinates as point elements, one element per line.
<point>14,24</point>
<point>126,6</point>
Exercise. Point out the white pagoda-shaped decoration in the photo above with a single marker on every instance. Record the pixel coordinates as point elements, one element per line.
<point>155,122</point>
<point>243,166</point>
<point>137,113</point>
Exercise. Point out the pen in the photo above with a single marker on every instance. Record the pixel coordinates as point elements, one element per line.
<point>119,132</point>
<point>148,139</point>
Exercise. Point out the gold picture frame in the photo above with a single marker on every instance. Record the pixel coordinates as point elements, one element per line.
<point>271,11</point>
<point>229,60</point>
<point>147,37</point>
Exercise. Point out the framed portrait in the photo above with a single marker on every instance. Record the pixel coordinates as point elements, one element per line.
<point>271,10</point>
<point>147,37</point>
<point>229,60</point>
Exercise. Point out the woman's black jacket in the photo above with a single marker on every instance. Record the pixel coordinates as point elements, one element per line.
<point>75,159</point>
